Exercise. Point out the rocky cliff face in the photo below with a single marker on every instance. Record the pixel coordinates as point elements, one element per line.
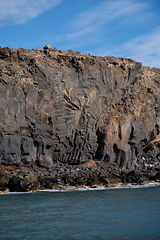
<point>72,108</point>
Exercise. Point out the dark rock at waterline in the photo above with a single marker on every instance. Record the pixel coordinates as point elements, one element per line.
<point>3,183</point>
<point>23,184</point>
<point>16,184</point>
<point>34,179</point>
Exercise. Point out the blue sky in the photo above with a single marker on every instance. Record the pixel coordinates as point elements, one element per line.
<point>121,28</point>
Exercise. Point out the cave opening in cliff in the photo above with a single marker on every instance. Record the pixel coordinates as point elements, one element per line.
<point>120,156</point>
<point>131,133</point>
<point>101,143</point>
<point>116,151</point>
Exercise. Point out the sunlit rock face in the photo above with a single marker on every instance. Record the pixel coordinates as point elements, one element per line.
<point>73,108</point>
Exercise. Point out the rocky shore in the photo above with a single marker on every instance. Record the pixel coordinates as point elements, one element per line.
<point>33,178</point>
<point>71,119</point>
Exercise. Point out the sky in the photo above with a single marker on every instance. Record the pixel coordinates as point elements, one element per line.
<point>120,28</point>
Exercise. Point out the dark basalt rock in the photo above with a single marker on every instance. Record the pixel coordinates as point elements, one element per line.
<point>23,184</point>
<point>67,107</point>
<point>3,183</point>
<point>16,184</point>
<point>57,178</point>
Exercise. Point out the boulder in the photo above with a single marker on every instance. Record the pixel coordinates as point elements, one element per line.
<point>30,182</point>
<point>16,184</point>
<point>47,46</point>
<point>3,183</point>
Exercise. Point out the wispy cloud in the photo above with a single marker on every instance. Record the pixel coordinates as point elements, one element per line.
<point>20,11</point>
<point>93,25</point>
<point>94,19</point>
<point>145,49</point>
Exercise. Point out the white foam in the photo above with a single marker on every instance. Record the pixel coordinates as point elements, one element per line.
<point>91,188</point>
<point>52,190</point>
<point>119,186</point>
<point>74,189</point>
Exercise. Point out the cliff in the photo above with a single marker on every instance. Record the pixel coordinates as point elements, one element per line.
<point>70,108</point>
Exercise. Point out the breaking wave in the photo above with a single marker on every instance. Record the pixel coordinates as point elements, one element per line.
<point>99,188</point>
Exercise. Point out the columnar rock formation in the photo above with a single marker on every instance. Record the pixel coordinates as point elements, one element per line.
<point>69,107</point>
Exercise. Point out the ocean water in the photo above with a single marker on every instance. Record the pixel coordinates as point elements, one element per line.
<point>119,213</point>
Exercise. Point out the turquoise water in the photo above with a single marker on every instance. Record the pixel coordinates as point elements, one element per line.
<point>125,213</point>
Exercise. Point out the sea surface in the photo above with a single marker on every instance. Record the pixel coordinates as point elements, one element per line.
<point>119,213</point>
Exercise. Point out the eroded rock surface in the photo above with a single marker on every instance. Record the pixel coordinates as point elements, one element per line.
<point>71,108</point>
